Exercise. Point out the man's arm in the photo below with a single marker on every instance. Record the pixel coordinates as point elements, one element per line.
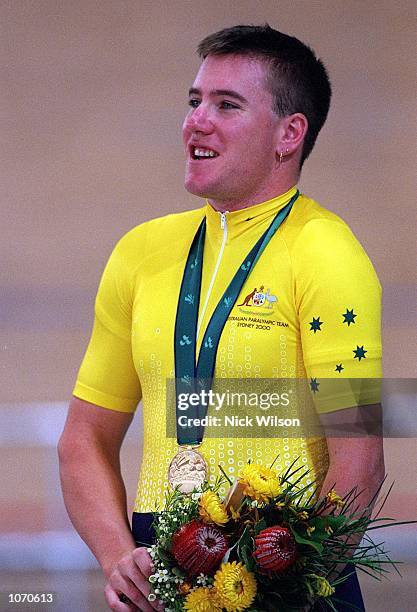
<point>95,497</point>
<point>356,459</point>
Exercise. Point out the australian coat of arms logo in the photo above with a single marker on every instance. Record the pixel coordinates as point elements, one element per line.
<point>259,302</point>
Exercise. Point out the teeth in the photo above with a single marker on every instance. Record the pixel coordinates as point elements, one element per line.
<point>204,153</point>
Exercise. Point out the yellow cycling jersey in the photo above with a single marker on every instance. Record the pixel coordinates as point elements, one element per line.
<point>310,308</point>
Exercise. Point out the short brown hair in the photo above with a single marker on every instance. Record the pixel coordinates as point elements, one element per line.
<point>297,79</point>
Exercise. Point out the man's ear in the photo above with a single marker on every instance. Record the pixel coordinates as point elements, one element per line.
<point>291,134</point>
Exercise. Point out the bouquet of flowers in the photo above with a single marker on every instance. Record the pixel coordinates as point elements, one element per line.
<point>269,545</point>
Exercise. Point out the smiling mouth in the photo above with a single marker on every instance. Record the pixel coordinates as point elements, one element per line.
<point>203,153</point>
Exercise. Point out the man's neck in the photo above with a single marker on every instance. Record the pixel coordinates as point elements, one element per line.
<point>261,196</point>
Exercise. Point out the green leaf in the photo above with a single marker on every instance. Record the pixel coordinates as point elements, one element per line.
<point>336,522</point>
<point>225,475</point>
<point>308,541</point>
<point>245,538</point>
<point>165,557</point>
<point>247,558</point>
<point>260,526</point>
<point>228,551</point>
<point>245,549</point>
<point>321,522</point>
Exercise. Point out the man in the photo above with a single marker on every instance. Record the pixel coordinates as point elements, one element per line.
<point>257,105</point>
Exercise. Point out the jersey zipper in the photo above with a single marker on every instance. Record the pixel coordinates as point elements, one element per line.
<point>223,226</point>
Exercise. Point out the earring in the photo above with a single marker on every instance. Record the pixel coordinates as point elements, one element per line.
<point>281,157</point>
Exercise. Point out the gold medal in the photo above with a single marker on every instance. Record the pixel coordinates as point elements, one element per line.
<point>188,470</point>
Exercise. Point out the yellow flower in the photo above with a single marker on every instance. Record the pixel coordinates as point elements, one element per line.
<point>235,587</point>
<point>303,516</point>
<point>260,483</point>
<point>310,530</point>
<point>201,599</point>
<point>211,509</point>
<point>328,530</point>
<point>323,588</point>
<point>334,499</point>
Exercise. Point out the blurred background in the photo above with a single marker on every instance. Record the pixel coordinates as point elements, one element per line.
<point>92,100</point>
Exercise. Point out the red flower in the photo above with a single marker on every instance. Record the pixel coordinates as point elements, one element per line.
<point>199,548</point>
<point>275,549</point>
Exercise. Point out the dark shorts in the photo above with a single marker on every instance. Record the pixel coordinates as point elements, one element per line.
<point>142,530</point>
<point>349,591</point>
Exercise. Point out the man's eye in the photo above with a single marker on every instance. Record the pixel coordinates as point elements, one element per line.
<point>227,105</point>
<point>193,102</point>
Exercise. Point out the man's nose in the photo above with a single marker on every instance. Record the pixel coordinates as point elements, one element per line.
<point>200,119</point>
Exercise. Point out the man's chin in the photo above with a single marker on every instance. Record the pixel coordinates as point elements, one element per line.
<point>197,190</point>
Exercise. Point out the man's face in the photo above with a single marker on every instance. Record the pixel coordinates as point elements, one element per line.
<point>231,132</point>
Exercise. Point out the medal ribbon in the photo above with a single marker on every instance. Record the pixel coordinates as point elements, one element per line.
<point>192,377</point>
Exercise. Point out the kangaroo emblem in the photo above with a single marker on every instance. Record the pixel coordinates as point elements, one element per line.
<point>248,298</point>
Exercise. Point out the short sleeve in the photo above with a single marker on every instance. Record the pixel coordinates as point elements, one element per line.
<point>107,376</point>
<point>338,297</point>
